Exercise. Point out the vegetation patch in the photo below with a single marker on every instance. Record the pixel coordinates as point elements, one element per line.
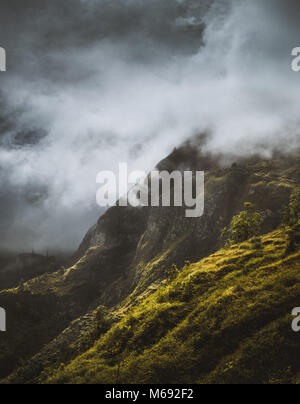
<point>214,322</point>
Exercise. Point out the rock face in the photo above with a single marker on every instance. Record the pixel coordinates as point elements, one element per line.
<point>139,244</point>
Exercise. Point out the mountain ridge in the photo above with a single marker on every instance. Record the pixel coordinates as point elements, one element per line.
<point>126,256</point>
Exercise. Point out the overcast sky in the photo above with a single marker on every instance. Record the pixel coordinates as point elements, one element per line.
<point>91,83</point>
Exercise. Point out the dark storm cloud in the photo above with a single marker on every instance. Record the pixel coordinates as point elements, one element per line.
<point>68,61</point>
<point>61,24</point>
<point>97,82</point>
<point>38,32</point>
<point>289,10</point>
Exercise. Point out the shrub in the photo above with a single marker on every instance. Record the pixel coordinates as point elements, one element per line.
<point>244,226</point>
<point>291,215</point>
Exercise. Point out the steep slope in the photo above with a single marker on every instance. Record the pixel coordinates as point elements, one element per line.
<point>225,319</point>
<point>167,237</point>
<point>125,257</point>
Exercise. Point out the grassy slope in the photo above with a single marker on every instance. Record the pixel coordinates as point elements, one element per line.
<point>225,319</point>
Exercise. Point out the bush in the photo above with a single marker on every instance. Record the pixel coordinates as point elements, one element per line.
<point>291,215</point>
<point>243,226</point>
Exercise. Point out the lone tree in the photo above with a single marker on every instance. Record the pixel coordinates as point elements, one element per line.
<point>291,215</point>
<point>244,226</point>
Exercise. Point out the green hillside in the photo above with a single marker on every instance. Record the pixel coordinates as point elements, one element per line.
<point>225,319</point>
<point>151,296</point>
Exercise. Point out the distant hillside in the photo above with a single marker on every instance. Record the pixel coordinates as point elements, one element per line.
<point>22,267</point>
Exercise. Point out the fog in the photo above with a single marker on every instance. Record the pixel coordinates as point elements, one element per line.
<point>94,83</point>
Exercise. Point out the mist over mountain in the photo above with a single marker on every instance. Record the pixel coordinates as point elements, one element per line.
<point>149,295</point>
<point>93,83</point>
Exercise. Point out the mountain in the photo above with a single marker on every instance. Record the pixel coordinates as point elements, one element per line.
<point>115,316</point>
<point>224,319</point>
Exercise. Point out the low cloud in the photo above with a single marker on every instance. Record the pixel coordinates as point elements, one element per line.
<point>95,83</point>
